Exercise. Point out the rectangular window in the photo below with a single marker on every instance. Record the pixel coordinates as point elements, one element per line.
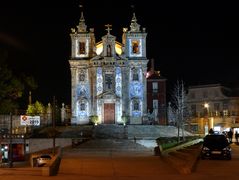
<point>109,85</point>
<point>216,106</point>
<point>155,104</point>
<point>135,47</point>
<point>225,112</point>
<point>194,110</point>
<point>81,48</point>
<point>192,95</point>
<point>155,87</point>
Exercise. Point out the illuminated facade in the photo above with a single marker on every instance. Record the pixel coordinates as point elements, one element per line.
<point>108,77</point>
<point>213,106</point>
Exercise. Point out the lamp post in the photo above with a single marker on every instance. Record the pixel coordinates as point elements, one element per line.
<point>208,124</point>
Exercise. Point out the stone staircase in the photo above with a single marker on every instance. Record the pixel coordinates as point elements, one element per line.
<point>183,160</point>
<point>112,145</point>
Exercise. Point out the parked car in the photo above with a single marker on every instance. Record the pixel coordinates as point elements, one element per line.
<point>216,146</point>
<point>43,160</point>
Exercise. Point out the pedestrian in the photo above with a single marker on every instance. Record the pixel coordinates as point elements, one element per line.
<point>211,131</point>
<point>236,136</point>
<point>230,134</point>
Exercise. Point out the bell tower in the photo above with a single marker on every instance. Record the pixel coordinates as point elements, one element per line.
<point>135,40</point>
<point>135,51</point>
<point>82,41</point>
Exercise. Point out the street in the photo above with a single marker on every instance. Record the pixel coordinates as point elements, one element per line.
<point>89,165</point>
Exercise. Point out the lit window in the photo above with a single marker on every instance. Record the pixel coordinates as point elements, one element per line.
<point>81,48</point>
<point>225,112</point>
<point>155,103</point>
<point>155,87</point>
<point>135,47</point>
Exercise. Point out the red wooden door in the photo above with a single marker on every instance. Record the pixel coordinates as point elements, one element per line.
<point>109,113</point>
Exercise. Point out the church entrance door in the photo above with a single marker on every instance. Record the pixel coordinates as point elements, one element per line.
<point>109,113</point>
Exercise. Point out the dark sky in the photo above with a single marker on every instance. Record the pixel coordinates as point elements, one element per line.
<point>193,41</point>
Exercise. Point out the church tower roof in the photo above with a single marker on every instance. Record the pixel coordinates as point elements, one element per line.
<point>134,26</point>
<point>82,26</point>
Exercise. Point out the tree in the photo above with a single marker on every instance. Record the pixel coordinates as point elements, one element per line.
<point>179,107</point>
<point>171,115</point>
<point>12,86</point>
<point>35,109</point>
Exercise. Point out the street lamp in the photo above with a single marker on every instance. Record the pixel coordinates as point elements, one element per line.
<point>209,122</point>
<point>206,105</point>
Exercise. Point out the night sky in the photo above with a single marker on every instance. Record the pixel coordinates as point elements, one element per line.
<point>195,42</point>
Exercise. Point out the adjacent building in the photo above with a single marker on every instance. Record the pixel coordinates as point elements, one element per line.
<point>213,106</point>
<point>156,96</point>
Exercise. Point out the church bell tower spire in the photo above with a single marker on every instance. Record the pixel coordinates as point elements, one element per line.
<point>83,42</point>
<point>82,26</point>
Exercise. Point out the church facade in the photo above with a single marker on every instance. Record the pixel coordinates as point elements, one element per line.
<point>108,78</point>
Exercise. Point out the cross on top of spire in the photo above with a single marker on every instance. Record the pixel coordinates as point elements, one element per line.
<point>108,28</point>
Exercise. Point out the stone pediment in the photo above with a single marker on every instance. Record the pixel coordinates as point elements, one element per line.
<point>107,95</point>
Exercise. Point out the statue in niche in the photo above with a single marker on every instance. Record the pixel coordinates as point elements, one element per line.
<point>108,50</point>
<point>82,106</point>
<point>135,76</point>
<point>136,105</point>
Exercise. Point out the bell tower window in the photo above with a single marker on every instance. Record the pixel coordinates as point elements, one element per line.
<point>81,49</point>
<point>135,47</point>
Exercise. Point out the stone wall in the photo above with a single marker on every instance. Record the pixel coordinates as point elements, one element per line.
<point>38,144</point>
<point>152,131</point>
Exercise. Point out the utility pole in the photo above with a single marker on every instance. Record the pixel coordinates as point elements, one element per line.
<point>10,144</point>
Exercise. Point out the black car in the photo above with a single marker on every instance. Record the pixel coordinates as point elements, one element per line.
<point>216,146</point>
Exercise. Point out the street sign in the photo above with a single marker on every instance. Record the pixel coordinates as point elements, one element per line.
<point>30,120</point>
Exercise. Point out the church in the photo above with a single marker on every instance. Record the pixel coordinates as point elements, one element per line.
<point>108,78</point>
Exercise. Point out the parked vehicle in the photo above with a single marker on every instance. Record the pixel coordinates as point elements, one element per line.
<point>44,160</point>
<point>216,146</point>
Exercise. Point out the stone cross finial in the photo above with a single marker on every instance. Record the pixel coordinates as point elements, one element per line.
<point>108,28</point>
